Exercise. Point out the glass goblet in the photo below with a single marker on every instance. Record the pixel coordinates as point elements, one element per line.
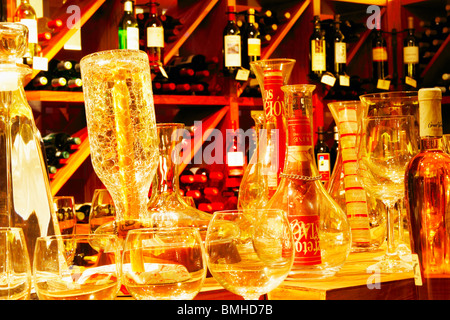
<point>15,270</point>
<point>102,209</point>
<point>387,144</point>
<point>250,252</point>
<point>65,211</point>
<point>77,267</point>
<point>164,263</point>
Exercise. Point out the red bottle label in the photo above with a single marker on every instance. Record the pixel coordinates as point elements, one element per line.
<point>306,239</point>
<point>274,109</point>
<point>299,131</point>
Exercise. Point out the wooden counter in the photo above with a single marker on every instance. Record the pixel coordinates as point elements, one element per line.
<point>352,282</point>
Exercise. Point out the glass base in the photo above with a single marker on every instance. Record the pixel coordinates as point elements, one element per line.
<point>311,274</point>
<point>391,263</point>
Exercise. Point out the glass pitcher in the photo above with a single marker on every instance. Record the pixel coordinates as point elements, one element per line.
<point>321,230</point>
<point>166,207</point>
<point>253,191</point>
<point>25,196</point>
<point>365,214</point>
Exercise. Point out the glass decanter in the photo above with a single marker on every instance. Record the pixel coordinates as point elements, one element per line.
<point>321,230</point>
<point>166,206</point>
<point>272,74</point>
<point>365,215</point>
<point>25,196</point>
<point>253,191</point>
<point>121,124</point>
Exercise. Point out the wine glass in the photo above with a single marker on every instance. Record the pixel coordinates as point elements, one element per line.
<point>77,267</point>
<point>250,252</point>
<point>65,212</point>
<point>121,123</point>
<point>15,270</point>
<point>164,263</point>
<point>387,144</point>
<point>102,209</point>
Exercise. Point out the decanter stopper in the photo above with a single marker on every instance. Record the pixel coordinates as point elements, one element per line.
<point>13,42</point>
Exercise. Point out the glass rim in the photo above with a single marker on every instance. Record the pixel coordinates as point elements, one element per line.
<point>275,60</point>
<point>76,236</point>
<point>108,54</point>
<point>243,211</point>
<point>161,229</point>
<point>390,95</point>
<point>312,87</point>
<point>349,102</point>
<point>390,116</point>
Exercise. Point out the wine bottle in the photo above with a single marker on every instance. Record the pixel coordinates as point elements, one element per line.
<point>427,181</point>
<point>26,15</point>
<point>339,49</point>
<point>251,50</point>
<point>322,153</point>
<point>317,53</point>
<point>379,57</point>
<point>61,140</point>
<point>154,37</point>
<point>410,56</point>
<point>128,28</point>
<point>231,44</point>
<point>334,148</point>
<point>54,155</point>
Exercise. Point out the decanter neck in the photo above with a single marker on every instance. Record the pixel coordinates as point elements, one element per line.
<point>300,159</point>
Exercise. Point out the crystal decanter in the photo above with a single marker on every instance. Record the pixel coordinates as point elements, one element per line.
<point>321,230</point>
<point>25,196</point>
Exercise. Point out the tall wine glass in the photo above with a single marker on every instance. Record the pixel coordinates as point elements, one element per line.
<point>387,144</point>
<point>164,263</point>
<point>65,211</point>
<point>122,128</point>
<point>250,252</point>
<point>15,270</point>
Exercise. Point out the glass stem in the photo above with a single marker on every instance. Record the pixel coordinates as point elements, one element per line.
<point>390,210</point>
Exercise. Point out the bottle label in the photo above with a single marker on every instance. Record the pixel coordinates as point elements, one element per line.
<point>305,230</point>
<point>430,116</point>
<point>274,111</point>
<point>32,29</point>
<point>299,132</point>
<point>318,61</point>
<point>254,47</point>
<point>232,48</point>
<point>155,37</point>
<point>379,54</point>
<point>133,38</point>
<point>323,165</point>
<point>340,52</point>
<point>411,54</point>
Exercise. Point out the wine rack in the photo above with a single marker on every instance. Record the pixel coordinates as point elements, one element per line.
<point>204,19</point>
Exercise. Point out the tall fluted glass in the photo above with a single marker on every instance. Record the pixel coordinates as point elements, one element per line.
<point>122,128</point>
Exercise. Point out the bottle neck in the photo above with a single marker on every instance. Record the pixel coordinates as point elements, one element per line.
<point>128,7</point>
<point>431,143</point>
<point>153,9</point>
<point>231,16</point>
<point>300,151</point>
<point>251,18</point>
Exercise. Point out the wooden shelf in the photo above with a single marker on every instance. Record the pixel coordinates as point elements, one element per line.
<point>178,100</point>
<point>56,43</point>
<point>75,160</point>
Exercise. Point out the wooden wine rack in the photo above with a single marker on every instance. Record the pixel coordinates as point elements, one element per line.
<point>194,14</point>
